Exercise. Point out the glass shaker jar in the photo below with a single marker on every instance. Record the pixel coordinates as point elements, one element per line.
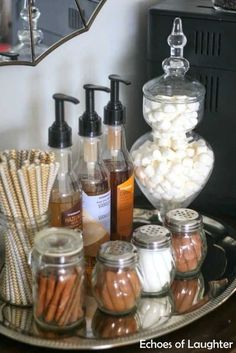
<point>115,280</point>
<point>156,262</point>
<point>58,278</point>
<point>188,240</point>
<point>172,164</point>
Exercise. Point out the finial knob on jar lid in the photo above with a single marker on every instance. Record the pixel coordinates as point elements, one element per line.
<point>176,64</point>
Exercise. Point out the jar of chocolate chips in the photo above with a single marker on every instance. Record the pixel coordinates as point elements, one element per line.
<point>188,240</point>
<point>115,279</point>
<point>58,278</point>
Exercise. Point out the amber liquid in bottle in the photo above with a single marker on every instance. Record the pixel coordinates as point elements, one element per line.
<point>96,201</point>
<point>94,188</point>
<point>66,211</point>
<point>65,206</point>
<point>121,210</point>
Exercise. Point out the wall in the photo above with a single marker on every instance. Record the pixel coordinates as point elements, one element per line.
<point>116,43</point>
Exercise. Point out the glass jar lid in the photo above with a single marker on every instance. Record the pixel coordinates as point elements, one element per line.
<point>151,237</point>
<point>58,243</point>
<point>183,220</point>
<point>173,86</point>
<point>117,253</point>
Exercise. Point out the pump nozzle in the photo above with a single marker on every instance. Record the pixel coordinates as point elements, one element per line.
<point>90,122</point>
<point>114,112</point>
<point>60,133</point>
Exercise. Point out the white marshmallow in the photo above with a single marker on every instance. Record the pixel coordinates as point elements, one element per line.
<point>180,154</point>
<point>193,106</point>
<point>146,161</point>
<point>169,108</point>
<point>201,149</point>
<point>157,156</point>
<point>149,171</point>
<point>190,152</point>
<point>181,108</point>
<point>187,162</point>
<point>165,125</point>
<point>205,159</point>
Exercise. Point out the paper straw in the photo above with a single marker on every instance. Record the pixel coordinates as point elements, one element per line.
<point>13,203</point>
<point>33,189</point>
<point>18,189</point>
<point>25,190</point>
<point>44,176</point>
<point>51,179</point>
<point>39,189</point>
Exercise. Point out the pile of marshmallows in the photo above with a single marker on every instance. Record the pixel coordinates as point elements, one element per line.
<point>171,167</point>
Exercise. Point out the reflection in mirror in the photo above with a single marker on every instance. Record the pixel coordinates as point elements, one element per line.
<point>51,23</point>
<point>15,29</point>
<point>89,9</point>
<point>58,19</point>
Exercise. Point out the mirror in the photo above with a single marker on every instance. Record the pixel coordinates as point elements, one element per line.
<point>31,29</point>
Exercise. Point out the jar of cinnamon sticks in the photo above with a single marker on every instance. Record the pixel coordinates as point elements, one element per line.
<point>58,278</point>
<point>116,282</point>
<point>188,240</point>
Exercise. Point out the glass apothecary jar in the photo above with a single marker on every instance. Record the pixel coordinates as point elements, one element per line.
<point>155,257</point>
<point>171,163</point>
<point>116,282</point>
<point>188,240</point>
<point>58,279</point>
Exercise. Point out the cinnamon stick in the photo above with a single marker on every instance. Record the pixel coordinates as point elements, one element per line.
<point>50,289</point>
<point>66,294</point>
<point>42,290</point>
<point>71,303</point>
<point>52,308</point>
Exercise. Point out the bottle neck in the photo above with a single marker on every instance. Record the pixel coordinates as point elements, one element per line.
<point>64,157</point>
<point>90,149</point>
<point>114,137</point>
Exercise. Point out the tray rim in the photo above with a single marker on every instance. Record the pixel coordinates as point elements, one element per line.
<point>99,344</point>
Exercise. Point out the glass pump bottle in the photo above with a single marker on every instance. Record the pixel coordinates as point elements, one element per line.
<point>65,201</point>
<point>119,164</point>
<point>94,179</point>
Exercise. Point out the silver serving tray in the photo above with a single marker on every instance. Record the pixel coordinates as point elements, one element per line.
<point>18,323</point>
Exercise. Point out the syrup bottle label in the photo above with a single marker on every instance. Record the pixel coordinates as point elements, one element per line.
<point>72,218</point>
<point>125,205</point>
<point>96,221</point>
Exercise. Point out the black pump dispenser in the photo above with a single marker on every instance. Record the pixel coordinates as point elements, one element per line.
<point>115,112</point>
<point>60,133</point>
<point>90,123</point>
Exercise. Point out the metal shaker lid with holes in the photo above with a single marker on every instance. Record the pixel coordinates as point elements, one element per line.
<point>151,237</point>
<point>183,220</point>
<point>117,253</point>
<point>58,245</point>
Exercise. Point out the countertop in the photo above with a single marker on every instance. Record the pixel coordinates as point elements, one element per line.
<point>218,327</point>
